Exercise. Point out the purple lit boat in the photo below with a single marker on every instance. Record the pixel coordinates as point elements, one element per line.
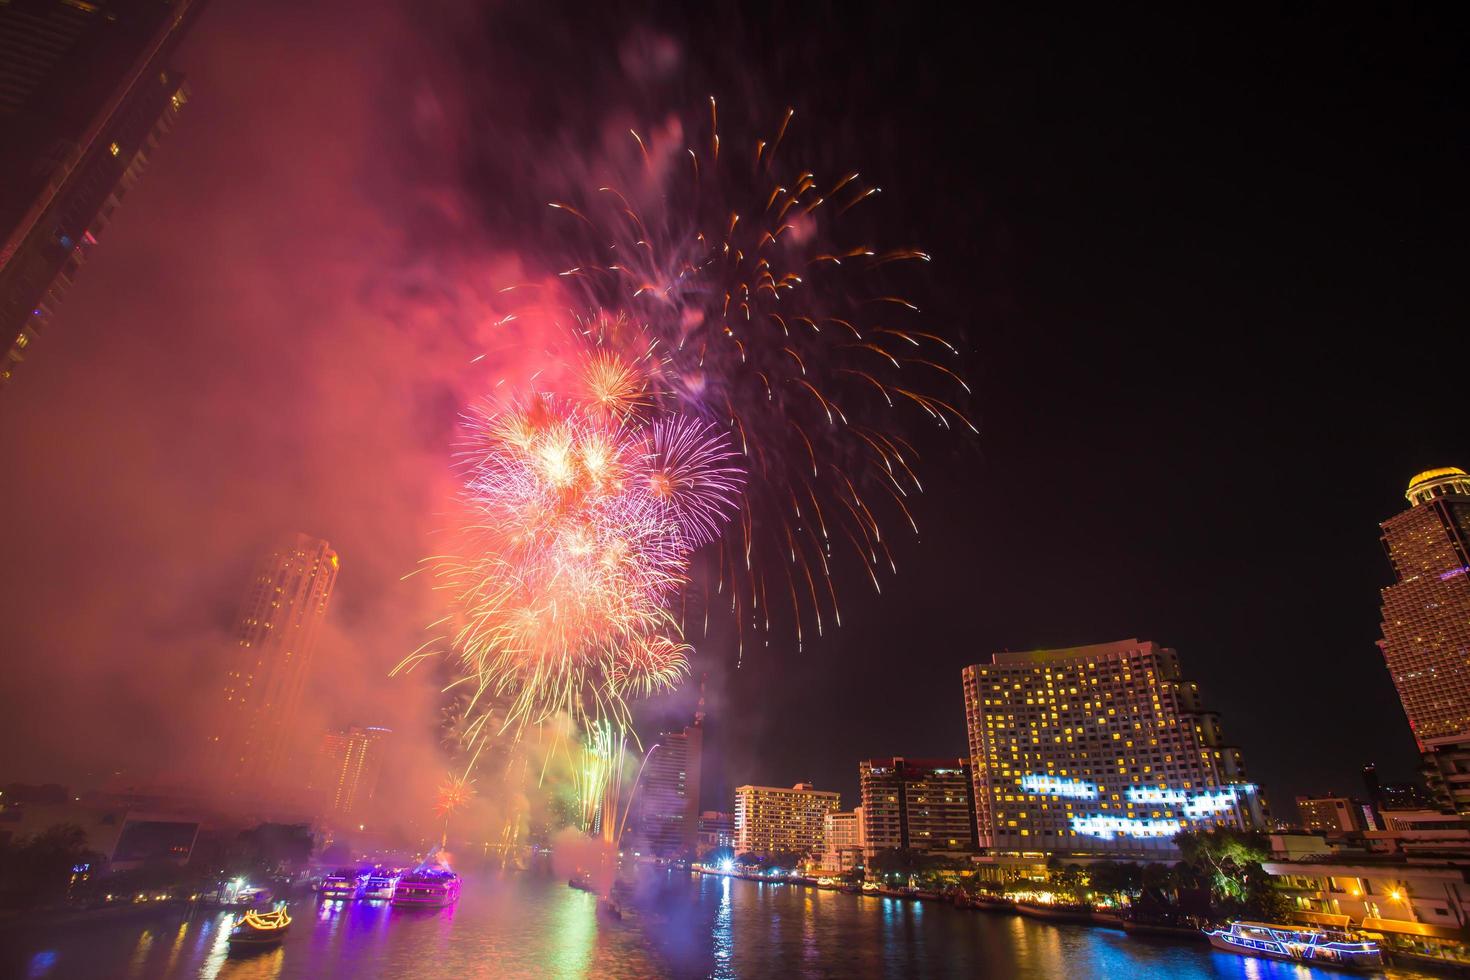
<point>429,888</point>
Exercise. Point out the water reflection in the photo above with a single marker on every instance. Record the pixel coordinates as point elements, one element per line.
<point>674,925</point>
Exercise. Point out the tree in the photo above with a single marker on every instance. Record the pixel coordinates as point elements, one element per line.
<point>39,870</point>
<point>750,859</point>
<point>1228,863</point>
<point>1116,878</point>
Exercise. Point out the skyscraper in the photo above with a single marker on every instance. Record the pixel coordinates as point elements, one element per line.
<point>1097,748</point>
<point>266,668</point>
<point>1426,625</point>
<point>669,792</point>
<point>86,91</point>
<point>917,804</point>
<point>348,766</point>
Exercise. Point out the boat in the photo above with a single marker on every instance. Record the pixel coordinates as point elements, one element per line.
<point>1298,944</point>
<point>431,888</point>
<point>258,929</point>
<point>1057,911</point>
<point>607,907</point>
<point>379,886</point>
<point>992,903</point>
<point>343,885</point>
<point>1161,925</point>
<point>581,882</point>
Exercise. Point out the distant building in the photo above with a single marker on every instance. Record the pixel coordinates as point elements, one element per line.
<point>1101,748</point>
<point>917,804</point>
<point>669,792</point>
<point>843,839</point>
<point>266,669</point>
<point>770,820</point>
<point>126,838</point>
<point>1426,625</point>
<point>86,92</point>
<point>716,829</point>
<point>348,767</point>
<point>1334,814</point>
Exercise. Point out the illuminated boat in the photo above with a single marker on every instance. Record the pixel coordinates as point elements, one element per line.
<point>581,882</point>
<point>1298,944</point>
<point>255,929</point>
<point>429,888</point>
<point>379,886</point>
<point>343,885</point>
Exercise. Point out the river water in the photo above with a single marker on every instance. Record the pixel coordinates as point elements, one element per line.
<point>677,925</point>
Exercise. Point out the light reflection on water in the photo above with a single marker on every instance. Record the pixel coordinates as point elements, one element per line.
<point>675,925</point>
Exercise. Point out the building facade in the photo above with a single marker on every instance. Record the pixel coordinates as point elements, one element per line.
<point>268,663</point>
<point>1426,625</point>
<point>771,820</point>
<point>917,804</point>
<point>716,829</point>
<point>843,841</point>
<point>348,769</point>
<point>86,93</point>
<point>668,806</point>
<point>1101,748</point>
<point>1334,814</point>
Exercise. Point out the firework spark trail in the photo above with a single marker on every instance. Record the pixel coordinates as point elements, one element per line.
<point>739,370</point>
<point>744,299</point>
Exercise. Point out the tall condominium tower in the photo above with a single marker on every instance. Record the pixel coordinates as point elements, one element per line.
<point>1097,748</point>
<point>266,668</point>
<point>668,807</point>
<point>771,820</point>
<point>1426,625</point>
<point>348,765</point>
<point>86,92</point>
<point>917,804</point>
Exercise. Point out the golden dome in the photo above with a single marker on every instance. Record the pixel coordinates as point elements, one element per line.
<point>1428,475</point>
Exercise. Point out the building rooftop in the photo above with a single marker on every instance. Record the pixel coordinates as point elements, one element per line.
<point>1421,486</point>
<point>1070,653</point>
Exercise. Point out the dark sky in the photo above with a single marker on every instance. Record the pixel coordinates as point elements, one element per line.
<point>1205,268</point>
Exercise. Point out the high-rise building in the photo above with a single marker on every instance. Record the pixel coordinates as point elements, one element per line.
<point>348,766</point>
<point>266,668</point>
<point>1101,748</point>
<point>843,839</point>
<point>1426,625</point>
<point>917,804</point>
<point>86,92</point>
<point>771,820</point>
<point>668,792</point>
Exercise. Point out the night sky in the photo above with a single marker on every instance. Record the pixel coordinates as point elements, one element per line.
<point>1208,270</point>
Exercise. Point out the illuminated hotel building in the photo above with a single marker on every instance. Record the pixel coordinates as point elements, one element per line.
<point>1101,748</point>
<point>668,792</point>
<point>267,665</point>
<point>918,804</point>
<point>348,768</point>
<point>770,820</point>
<point>1426,625</point>
<point>86,93</point>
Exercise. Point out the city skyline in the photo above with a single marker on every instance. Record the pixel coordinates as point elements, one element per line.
<point>1215,587</point>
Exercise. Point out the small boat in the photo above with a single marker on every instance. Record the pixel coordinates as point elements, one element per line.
<point>580,882</point>
<point>1298,944</point>
<point>379,887</point>
<point>609,908</point>
<point>1056,911</point>
<point>992,903</point>
<point>432,888</point>
<point>1162,925</point>
<point>343,885</point>
<point>257,929</point>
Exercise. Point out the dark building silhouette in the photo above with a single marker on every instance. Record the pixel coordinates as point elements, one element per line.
<point>86,92</point>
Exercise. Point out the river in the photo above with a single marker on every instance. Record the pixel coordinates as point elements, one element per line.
<point>526,925</point>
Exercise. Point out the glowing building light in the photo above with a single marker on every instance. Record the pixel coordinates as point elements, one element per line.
<point>1072,789</point>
